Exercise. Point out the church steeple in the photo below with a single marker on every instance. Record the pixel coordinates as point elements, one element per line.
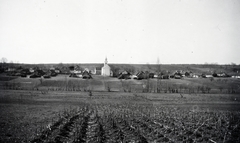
<point>106,69</point>
<point>106,62</point>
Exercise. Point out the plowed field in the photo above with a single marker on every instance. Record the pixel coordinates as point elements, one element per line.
<point>117,117</point>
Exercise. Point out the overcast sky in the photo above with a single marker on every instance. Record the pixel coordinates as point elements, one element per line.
<point>124,31</point>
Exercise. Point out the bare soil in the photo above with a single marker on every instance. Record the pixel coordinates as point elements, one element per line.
<point>57,116</point>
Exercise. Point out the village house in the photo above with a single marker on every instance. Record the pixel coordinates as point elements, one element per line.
<point>222,74</point>
<point>91,70</point>
<point>164,75</point>
<point>56,70</point>
<point>151,75</point>
<point>31,70</point>
<point>86,75</point>
<point>188,74</point>
<point>177,74</point>
<point>236,76</point>
<point>140,75</point>
<point>11,69</point>
<point>124,75</point>
<point>65,70</point>
<point>195,76</point>
<point>208,75</point>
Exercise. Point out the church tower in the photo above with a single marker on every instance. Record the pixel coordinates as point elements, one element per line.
<point>106,62</point>
<point>106,69</point>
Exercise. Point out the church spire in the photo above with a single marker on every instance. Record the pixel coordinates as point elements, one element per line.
<point>106,62</point>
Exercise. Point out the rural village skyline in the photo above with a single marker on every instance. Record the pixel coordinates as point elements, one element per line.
<point>124,31</point>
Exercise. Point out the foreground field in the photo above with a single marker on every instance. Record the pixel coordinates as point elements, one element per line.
<point>54,116</point>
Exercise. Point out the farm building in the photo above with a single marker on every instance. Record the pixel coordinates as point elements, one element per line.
<point>86,69</point>
<point>195,76</point>
<point>65,70</point>
<point>176,75</point>
<point>223,74</point>
<point>31,70</point>
<point>151,75</point>
<point>140,75</point>
<point>11,69</point>
<point>124,75</point>
<point>106,69</point>
<point>92,70</point>
<point>39,72</point>
<point>236,75</point>
<point>56,70</point>
<point>188,74</point>
<point>164,75</point>
<point>75,71</point>
<point>208,75</point>
<point>143,75</point>
<point>86,75</point>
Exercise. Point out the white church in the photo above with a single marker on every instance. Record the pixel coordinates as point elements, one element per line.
<point>106,69</point>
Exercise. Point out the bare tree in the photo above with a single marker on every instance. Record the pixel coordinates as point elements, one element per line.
<point>4,60</point>
<point>233,64</point>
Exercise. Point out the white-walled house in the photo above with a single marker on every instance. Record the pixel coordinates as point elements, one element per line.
<point>195,76</point>
<point>31,70</point>
<point>76,71</point>
<point>106,69</point>
<point>11,69</point>
<point>209,75</point>
<point>236,76</point>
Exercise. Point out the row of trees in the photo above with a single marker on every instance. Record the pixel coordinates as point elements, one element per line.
<point>174,89</point>
<point>147,86</point>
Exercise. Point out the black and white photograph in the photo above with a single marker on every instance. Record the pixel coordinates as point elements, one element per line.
<point>119,71</point>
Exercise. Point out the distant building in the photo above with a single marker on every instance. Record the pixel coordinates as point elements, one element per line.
<point>236,76</point>
<point>98,70</point>
<point>86,74</point>
<point>208,75</point>
<point>76,71</point>
<point>222,74</point>
<point>11,69</point>
<point>195,76</point>
<point>140,75</point>
<point>31,70</point>
<point>124,75</point>
<point>91,70</point>
<point>106,69</point>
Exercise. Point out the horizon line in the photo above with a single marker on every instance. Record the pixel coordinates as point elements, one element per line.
<point>128,63</point>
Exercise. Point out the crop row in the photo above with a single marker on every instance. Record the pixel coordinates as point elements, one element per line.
<point>105,123</point>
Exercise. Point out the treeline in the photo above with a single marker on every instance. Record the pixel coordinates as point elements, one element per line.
<point>133,68</point>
